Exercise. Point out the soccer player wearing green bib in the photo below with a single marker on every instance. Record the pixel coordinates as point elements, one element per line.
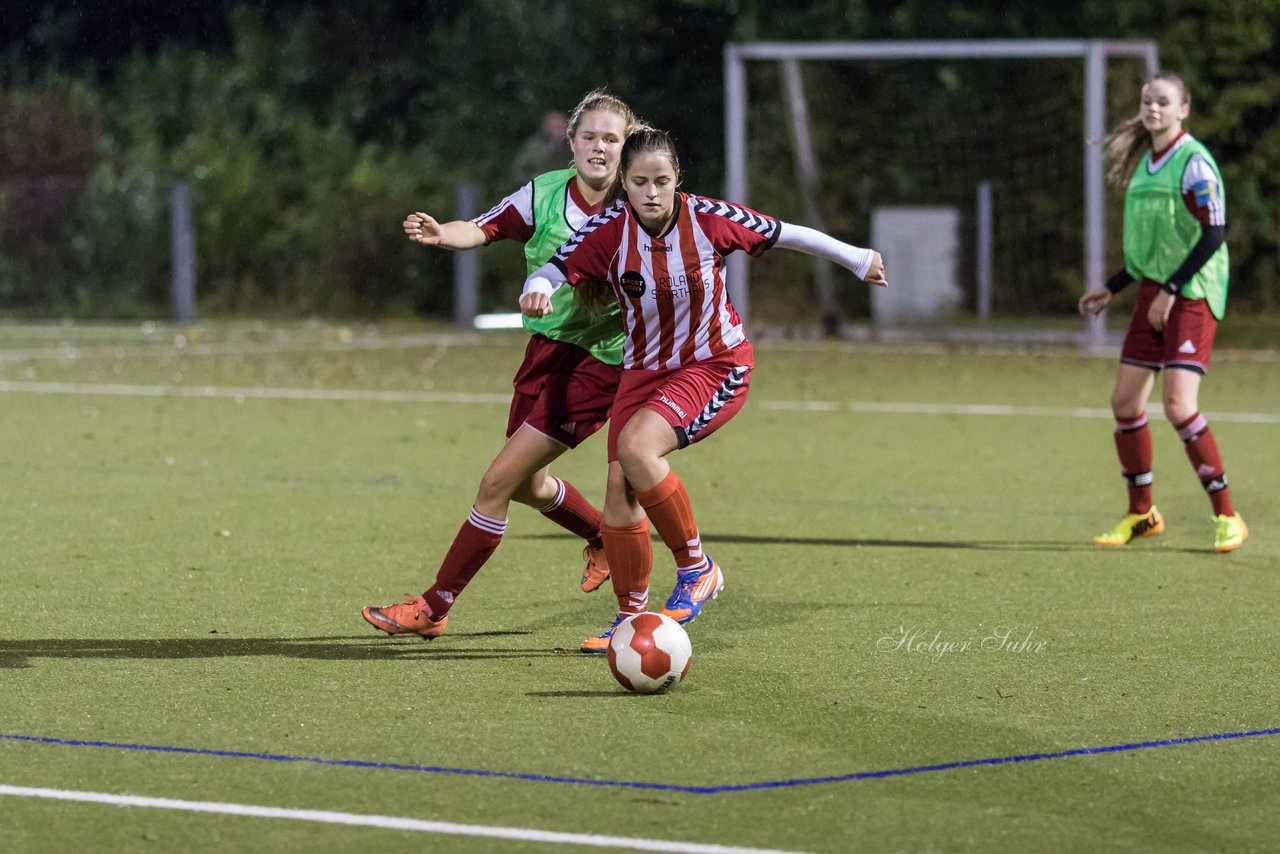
<point>1174,244</point>
<point>564,388</point>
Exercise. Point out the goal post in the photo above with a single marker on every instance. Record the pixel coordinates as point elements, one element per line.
<point>1092,53</point>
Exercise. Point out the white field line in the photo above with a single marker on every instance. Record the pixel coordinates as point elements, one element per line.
<point>991,409</point>
<point>69,352</point>
<point>258,393</point>
<point>358,395</point>
<point>382,821</point>
<point>174,341</point>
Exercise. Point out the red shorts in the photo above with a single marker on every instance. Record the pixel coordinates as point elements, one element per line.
<point>1185,342</point>
<point>696,399</point>
<point>562,391</point>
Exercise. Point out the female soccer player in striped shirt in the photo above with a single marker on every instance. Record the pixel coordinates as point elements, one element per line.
<point>565,386</point>
<point>686,360</point>
<point>1174,241</point>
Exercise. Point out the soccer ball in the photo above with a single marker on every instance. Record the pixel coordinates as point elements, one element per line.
<point>649,652</point>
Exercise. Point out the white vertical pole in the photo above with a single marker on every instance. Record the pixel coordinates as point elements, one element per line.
<point>807,172</point>
<point>1151,53</point>
<point>182,286</point>
<point>735,166</point>
<point>1095,237</point>
<point>466,264</point>
<point>983,262</point>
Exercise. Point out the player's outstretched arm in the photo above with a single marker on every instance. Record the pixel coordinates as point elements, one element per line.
<point>459,234</point>
<point>866,264</point>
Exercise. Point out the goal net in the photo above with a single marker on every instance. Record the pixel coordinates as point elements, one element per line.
<point>969,159</point>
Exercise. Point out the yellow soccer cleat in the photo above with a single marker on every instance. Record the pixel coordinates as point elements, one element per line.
<point>1229,533</point>
<point>1133,526</point>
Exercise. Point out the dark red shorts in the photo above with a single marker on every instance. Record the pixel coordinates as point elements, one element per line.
<point>696,399</point>
<point>562,391</point>
<point>1185,342</point>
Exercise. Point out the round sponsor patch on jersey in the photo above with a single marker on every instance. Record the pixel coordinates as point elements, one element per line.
<point>633,284</point>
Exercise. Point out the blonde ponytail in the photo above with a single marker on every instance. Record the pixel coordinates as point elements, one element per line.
<point>1123,147</point>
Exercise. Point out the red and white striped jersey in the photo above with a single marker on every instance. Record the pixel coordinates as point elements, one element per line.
<point>675,303</point>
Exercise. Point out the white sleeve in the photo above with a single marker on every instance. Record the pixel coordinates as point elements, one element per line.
<point>544,280</point>
<point>1201,184</point>
<point>520,202</point>
<point>814,242</point>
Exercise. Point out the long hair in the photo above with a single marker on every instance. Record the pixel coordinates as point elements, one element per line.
<point>1125,144</point>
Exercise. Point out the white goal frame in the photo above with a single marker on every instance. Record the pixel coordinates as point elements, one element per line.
<point>1093,52</point>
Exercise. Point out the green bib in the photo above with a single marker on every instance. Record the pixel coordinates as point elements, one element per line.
<point>1159,231</point>
<point>569,321</point>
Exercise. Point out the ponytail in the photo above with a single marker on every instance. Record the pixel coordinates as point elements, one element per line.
<point>1123,147</point>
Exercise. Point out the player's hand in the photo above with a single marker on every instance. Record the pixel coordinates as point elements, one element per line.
<point>422,228</point>
<point>875,273</point>
<point>1094,301</point>
<point>1158,313</point>
<point>535,305</point>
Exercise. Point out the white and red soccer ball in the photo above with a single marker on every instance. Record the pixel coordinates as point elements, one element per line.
<point>649,652</point>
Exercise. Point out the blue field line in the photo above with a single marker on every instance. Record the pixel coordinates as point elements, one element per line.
<point>631,784</point>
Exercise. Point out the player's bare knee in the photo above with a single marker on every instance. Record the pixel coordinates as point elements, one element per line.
<point>633,452</point>
<point>1178,408</point>
<point>497,486</point>
<point>1125,407</point>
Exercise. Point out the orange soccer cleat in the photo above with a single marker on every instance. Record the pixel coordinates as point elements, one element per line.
<point>409,618</point>
<point>596,571</point>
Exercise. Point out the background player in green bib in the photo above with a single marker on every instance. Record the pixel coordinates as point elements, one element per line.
<point>1174,244</point>
<point>565,386</point>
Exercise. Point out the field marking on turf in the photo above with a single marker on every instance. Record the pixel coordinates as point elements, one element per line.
<point>667,787</point>
<point>385,822</point>
<point>70,352</point>
<point>257,393</point>
<point>996,409</point>
<point>391,396</point>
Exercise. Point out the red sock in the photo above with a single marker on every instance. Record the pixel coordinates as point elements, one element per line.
<point>1133,444</point>
<point>476,540</point>
<point>574,513</point>
<point>1202,450</point>
<point>630,554</point>
<point>671,513</point>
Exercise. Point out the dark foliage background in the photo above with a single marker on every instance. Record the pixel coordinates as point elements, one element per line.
<point>308,129</point>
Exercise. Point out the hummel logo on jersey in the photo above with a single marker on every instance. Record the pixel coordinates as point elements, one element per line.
<point>656,247</point>
<point>1187,347</point>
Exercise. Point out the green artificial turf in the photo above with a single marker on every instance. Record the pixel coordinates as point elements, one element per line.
<point>908,584</point>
